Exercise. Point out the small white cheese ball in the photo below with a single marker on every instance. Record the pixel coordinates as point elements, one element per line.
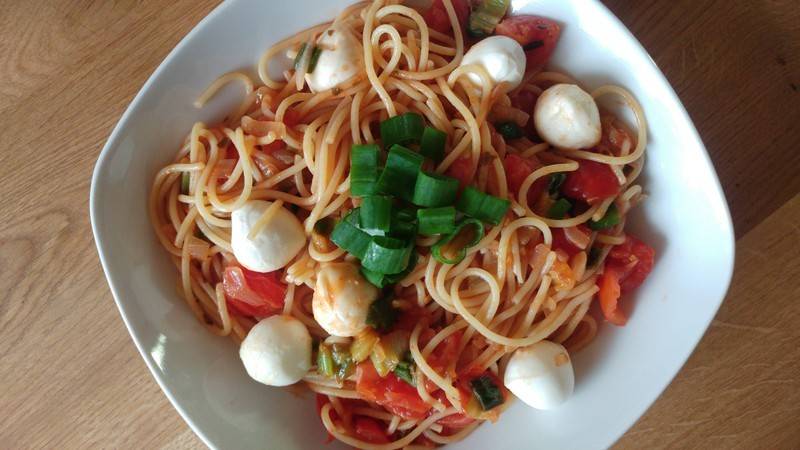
<point>274,245</point>
<point>540,375</point>
<point>566,116</point>
<point>501,56</point>
<point>339,59</point>
<point>277,351</point>
<point>342,298</point>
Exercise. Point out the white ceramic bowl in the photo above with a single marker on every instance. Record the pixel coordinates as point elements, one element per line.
<point>685,218</point>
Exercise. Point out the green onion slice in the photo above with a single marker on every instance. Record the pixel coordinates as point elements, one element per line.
<point>376,213</point>
<point>554,185</point>
<point>363,169</point>
<point>185,181</point>
<point>432,144</point>
<point>487,392</point>
<point>325,363</point>
<point>405,371</point>
<point>509,130</point>
<point>610,219</point>
<point>483,206</point>
<point>434,190</point>
<point>400,174</point>
<point>381,314</point>
<point>382,280</point>
<point>387,255</point>
<point>436,220</point>
<point>559,209</point>
<point>458,242</point>
<point>346,235</point>
<point>485,17</point>
<point>403,129</point>
<point>312,63</point>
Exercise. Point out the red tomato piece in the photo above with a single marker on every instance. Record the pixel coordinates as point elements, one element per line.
<point>291,117</point>
<point>459,420</point>
<point>633,260</point>
<point>526,101</point>
<point>592,182</point>
<point>560,241</point>
<point>252,293</point>
<point>461,169</point>
<point>368,429</point>
<point>436,16</point>
<point>517,169</point>
<point>445,353</point>
<point>537,35</point>
<point>394,394</point>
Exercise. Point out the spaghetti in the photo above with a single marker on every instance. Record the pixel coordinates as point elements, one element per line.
<point>533,276</point>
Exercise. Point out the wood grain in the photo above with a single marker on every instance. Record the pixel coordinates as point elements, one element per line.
<point>71,377</point>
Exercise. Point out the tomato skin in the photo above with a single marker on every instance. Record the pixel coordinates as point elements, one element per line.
<point>370,430</point>
<point>593,182</point>
<point>537,35</point>
<point>394,394</point>
<point>436,16</point>
<point>459,420</point>
<point>291,117</point>
<point>461,169</point>
<point>633,260</point>
<point>251,293</point>
<point>526,101</point>
<point>517,169</point>
<point>560,241</point>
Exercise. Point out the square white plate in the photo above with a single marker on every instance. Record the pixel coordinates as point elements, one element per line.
<point>685,218</point>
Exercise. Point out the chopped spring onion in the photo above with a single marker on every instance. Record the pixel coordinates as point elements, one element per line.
<point>363,169</point>
<point>437,220</point>
<point>433,190</point>
<point>400,174</point>
<point>432,144</point>
<point>312,61</point>
<point>347,236</point>
<point>387,255</point>
<point>405,371</point>
<point>457,242</point>
<point>554,185</point>
<point>376,213</point>
<point>509,130</point>
<point>362,345</point>
<point>485,17</point>
<point>404,223</point>
<point>610,219</point>
<point>487,392</point>
<point>482,206</point>
<point>382,280</point>
<point>344,362</point>
<point>403,129</point>
<point>381,314</point>
<point>325,364</point>
<point>185,180</point>
<point>559,209</point>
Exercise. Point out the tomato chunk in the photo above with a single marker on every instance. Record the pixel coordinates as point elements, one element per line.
<point>461,169</point>
<point>370,430</point>
<point>593,182</point>
<point>634,260</point>
<point>394,394</point>
<point>252,293</point>
<point>436,16</point>
<point>517,169</point>
<point>560,241</point>
<point>537,35</point>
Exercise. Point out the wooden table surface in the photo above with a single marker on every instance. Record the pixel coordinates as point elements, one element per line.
<point>70,375</point>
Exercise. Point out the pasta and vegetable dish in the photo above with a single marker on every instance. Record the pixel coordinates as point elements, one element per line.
<point>414,221</point>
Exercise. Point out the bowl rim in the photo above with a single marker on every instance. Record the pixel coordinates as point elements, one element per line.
<point>113,141</point>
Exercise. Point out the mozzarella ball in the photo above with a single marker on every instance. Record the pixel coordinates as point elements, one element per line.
<point>277,351</point>
<point>339,59</point>
<point>540,375</point>
<point>501,56</point>
<point>342,298</point>
<point>274,245</point>
<point>566,116</point>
